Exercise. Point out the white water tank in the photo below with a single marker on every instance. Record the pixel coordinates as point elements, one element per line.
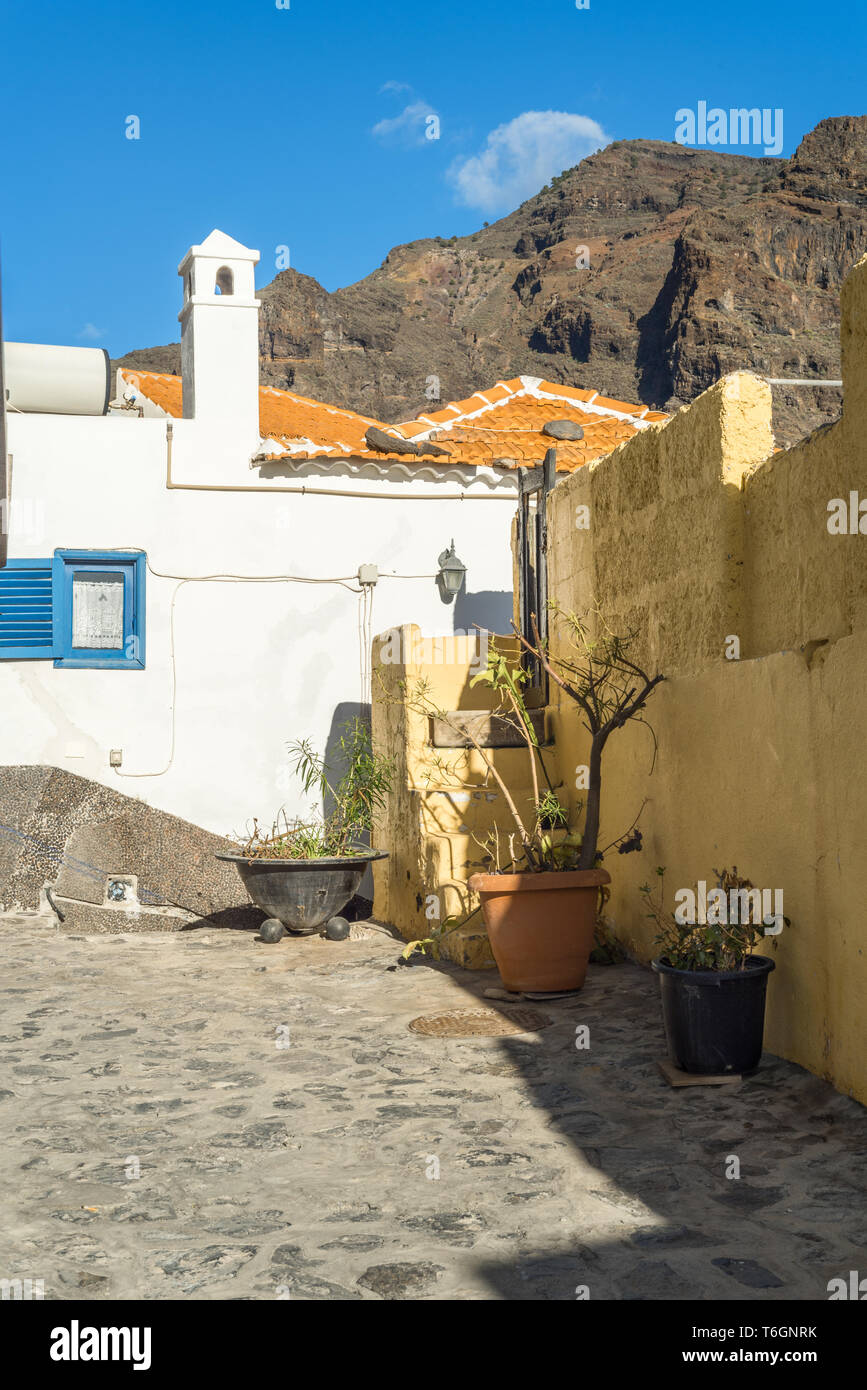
<point>56,380</point>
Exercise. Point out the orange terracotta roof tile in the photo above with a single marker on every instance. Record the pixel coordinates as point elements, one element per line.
<point>308,426</point>
<point>499,427</point>
<point>164,391</point>
<point>502,426</point>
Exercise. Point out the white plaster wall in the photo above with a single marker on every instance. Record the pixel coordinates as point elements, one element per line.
<point>255,664</point>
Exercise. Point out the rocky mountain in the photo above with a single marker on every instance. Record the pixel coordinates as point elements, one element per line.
<point>645,273</point>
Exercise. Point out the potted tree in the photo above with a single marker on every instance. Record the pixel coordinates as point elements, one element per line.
<point>540,906</point>
<point>303,872</point>
<point>713,984</point>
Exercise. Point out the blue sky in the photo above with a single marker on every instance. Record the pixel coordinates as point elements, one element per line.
<point>308,127</point>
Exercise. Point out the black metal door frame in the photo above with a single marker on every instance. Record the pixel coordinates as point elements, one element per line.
<point>532,548</point>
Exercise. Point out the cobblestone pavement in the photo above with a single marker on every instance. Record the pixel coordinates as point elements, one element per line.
<point>283,1124</point>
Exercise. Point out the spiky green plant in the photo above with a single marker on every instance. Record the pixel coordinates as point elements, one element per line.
<point>354,778</point>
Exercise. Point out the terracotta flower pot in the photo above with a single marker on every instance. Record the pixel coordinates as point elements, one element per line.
<point>541,926</point>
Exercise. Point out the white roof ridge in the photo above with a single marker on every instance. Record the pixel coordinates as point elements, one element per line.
<point>472,414</point>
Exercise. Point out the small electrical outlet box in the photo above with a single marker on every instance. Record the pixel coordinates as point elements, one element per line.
<point>120,889</point>
<point>115,757</point>
<point>368,574</point>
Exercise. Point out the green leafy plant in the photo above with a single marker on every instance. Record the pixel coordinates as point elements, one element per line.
<point>288,839</point>
<point>432,945</point>
<point>354,779</point>
<point>507,677</point>
<point>705,945</point>
<point>609,689</point>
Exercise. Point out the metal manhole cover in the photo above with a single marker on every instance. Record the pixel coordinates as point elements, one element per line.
<point>478,1023</point>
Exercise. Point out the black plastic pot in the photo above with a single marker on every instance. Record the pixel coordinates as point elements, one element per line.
<point>303,894</point>
<point>715,1019</point>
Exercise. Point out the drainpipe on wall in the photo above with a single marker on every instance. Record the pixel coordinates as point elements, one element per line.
<point>798,381</point>
<point>328,491</point>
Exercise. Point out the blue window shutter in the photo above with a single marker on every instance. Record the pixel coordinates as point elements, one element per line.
<point>26,610</point>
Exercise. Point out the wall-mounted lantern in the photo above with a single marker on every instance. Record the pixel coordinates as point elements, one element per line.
<point>451,575</point>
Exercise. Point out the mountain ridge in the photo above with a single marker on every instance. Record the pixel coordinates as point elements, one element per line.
<point>700,263</point>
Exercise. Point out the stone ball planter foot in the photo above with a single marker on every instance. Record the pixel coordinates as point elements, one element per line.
<point>271,930</point>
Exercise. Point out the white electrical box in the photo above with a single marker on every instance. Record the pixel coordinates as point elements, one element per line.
<point>368,574</point>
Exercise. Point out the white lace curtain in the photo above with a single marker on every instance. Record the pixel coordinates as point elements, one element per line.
<point>97,611</point>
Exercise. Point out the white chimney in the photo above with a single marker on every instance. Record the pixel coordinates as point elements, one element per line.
<point>220,336</point>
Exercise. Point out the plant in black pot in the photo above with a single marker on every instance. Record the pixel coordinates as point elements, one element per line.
<point>713,984</point>
<point>303,872</point>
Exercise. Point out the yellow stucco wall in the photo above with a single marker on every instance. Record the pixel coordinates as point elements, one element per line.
<point>697,533</point>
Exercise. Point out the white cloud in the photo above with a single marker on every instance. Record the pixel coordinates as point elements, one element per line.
<point>393,86</point>
<point>91,331</point>
<point>407,128</point>
<point>518,158</point>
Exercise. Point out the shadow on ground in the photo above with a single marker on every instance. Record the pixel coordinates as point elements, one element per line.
<point>751,1191</point>
<point>198,1114</point>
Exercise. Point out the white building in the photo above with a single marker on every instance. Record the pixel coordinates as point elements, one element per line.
<point>180,593</point>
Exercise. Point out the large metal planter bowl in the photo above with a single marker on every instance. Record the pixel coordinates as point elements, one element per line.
<point>303,894</point>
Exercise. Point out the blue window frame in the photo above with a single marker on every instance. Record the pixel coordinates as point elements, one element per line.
<point>100,609</point>
<point>81,608</point>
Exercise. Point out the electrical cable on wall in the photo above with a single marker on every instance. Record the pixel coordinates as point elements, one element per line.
<point>362,602</point>
<point>218,579</point>
<point>365,621</point>
<point>365,625</point>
